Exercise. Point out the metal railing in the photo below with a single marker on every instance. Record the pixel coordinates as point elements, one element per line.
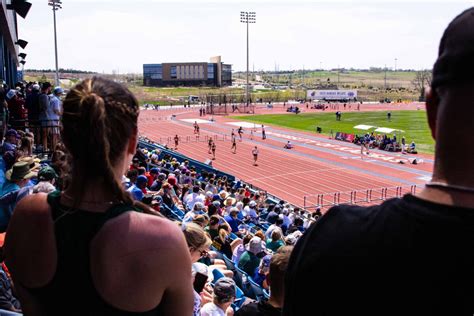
<point>367,196</point>
<point>47,133</point>
<point>169,140</point>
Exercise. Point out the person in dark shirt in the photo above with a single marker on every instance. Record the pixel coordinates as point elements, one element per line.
<point>408,256</point>
<point>275,278</point>
<point>32,104</point>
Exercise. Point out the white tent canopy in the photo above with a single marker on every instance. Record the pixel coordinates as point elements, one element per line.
<point>386,130</point>
<point>364,127</point>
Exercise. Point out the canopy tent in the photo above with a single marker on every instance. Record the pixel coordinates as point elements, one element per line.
<point>364,127</point>
<point>386,130</point>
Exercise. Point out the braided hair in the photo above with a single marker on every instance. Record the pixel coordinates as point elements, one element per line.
<point>99,118</point>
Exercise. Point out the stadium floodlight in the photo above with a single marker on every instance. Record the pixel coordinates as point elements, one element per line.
<point>247,18</point>
<point>22,43</point>
<point>56,5</point>
<point>22,55</point>
<point>21,7</point>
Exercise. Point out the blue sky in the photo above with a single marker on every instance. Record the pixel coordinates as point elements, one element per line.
<point>117,35</point>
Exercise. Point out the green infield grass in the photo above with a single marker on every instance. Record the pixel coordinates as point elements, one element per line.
<point>413,123</point>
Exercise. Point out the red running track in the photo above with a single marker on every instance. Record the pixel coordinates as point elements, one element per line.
<point>287,174</point>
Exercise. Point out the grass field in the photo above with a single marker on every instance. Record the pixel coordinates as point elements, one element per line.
<point>413,123</point>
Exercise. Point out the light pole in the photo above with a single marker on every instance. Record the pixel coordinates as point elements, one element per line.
<point>247,17</point>
<point>396,64</point>
<point>385,78</point>
<point>56,5</point>
<point>338,72</point>
<point>320,72</point>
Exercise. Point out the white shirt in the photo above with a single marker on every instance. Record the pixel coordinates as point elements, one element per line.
<point>255,151</point>
<point>268,233</point>
<point>211,309</point>
<point>192,198</point>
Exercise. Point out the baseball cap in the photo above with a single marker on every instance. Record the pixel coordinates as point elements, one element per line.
<point>154,171</point>
<point>135,160</point>
<point>224,289</point>
<point>265,263</point>
<point>47,174</point>
<point>255,245</point>
<point>36,87</point>
<point>252,203</point>
<point>12,132</point>
<point>456,52</point>
<point>142,179</point>
<point>58,90</point>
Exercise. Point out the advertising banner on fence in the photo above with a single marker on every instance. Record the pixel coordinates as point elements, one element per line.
<point>345,137</point>
<point>332,94</point>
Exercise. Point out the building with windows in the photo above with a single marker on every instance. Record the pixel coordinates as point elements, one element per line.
<point>215,73</point>
<point>8,47</point>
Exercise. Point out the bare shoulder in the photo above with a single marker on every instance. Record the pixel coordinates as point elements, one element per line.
<point>145,250</point>
<point>139,229</point>
<point>31,259</point>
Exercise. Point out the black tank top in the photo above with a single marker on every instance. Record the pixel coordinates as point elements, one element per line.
<point>72,291</point>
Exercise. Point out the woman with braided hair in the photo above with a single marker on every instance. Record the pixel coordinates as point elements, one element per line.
<point>90,249</point>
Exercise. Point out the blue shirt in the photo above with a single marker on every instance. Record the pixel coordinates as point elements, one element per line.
<point>136,192</point>
<point>233,223</point>
<point>53,108</point>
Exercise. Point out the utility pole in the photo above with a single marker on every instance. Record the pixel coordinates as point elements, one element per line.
<point>56,5</point>
<point>396,64</point>
<point>247,17</point>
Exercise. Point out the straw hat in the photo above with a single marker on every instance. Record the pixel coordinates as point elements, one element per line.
<point>20,171</point>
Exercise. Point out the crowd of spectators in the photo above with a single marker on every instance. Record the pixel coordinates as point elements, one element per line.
<point>233,232</point>
<point>228,226</point>
<point>385,142</point>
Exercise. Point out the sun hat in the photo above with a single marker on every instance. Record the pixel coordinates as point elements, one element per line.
<point>223,194</point>
<point>20,171</point>
<point>33,163</point>
<point>255,245</point>
<point>231,199</point>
